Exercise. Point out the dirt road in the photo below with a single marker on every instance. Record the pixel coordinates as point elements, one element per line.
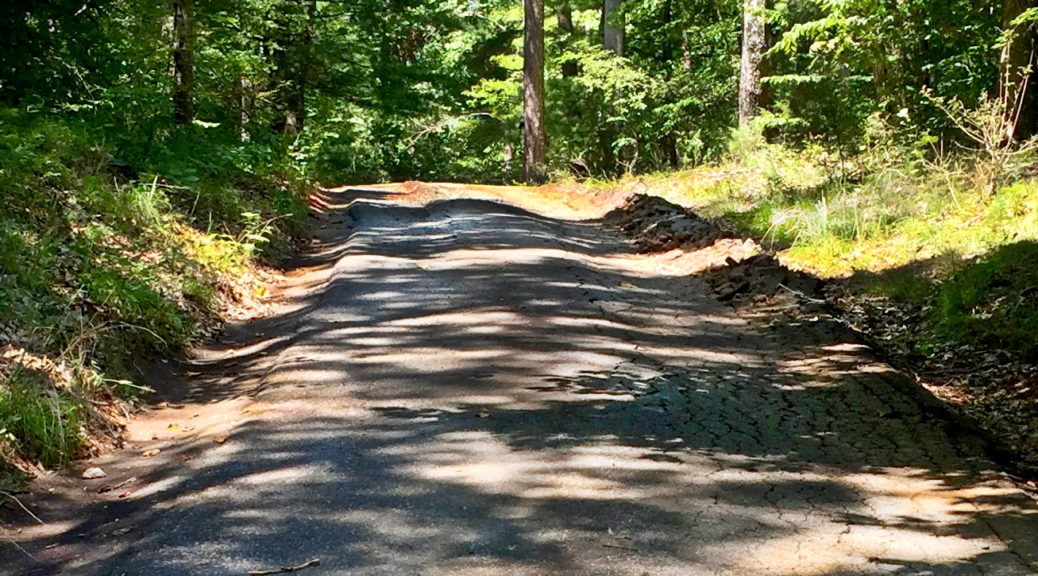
<point>465,387</point>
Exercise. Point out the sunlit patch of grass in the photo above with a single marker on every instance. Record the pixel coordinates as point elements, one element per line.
<point>915,233</point>
<point>39,420</point>
<point>220,253</point>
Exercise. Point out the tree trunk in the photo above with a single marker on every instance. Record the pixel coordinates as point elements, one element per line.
<point>669,150</point>
<point>753,40</point>
<point>534,138</point>
<point>612,27</point>
<point>564,14</point>
<point>245,104</point>
<point>686,53</point>
<point>1016,58</point>
<point>506,167</point>
<point>183,62</point>
<point>294,74</point>
<point>667,52</point>
<point>295,113</point>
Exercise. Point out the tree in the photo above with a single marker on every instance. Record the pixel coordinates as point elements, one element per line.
<point>1017,60</point>
<point>183,62</point>
<point>294,63</point>
<point>564,16</point>
<point>612,27</point>
<point>534,138</point>
<point>752,53</point>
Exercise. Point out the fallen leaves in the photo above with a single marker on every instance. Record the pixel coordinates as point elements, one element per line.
<point>988,386</point>
<point>110,487</point>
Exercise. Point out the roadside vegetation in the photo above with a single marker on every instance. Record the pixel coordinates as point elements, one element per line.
<point>104,269</point>
<point>919,231</point>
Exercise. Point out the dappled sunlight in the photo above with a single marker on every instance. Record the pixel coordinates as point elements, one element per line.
<point>477,390</point>
<point>487,464</point>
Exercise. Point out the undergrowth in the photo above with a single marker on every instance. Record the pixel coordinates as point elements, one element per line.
<point>111,253</point>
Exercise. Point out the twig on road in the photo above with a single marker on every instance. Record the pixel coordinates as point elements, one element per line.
<point>620,547</point>
<point>287,569</point>
<point>11,497</point>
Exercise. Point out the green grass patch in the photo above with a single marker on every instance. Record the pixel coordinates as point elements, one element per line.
<point>993,301</point>
<point>38,420</point>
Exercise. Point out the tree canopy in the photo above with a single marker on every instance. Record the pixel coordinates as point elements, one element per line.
<point>433,89</point>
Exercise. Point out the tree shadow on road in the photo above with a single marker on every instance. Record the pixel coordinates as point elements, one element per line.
<point>478,390</point>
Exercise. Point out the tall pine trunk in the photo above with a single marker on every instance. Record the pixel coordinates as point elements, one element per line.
<point>534,138</point>
<point>612,27</point>
<point>183,62</point>
<point>246,102</point>
<point>294,73</point>
<point>753,40</point>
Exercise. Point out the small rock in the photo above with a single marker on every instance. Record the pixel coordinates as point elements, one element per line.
<point>93,473</point>
<point>150,453</point>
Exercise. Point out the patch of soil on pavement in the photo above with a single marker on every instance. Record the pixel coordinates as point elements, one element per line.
<point>988,391</point>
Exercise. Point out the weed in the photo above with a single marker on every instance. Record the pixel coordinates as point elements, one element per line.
<point>914,232</point>
<point>98,269</point>
<point>40,421</point>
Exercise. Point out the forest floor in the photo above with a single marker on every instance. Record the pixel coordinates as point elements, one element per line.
<point>479,380</point>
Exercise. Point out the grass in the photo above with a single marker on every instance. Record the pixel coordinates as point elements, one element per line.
<point>992,301</point>
<point>100,268</point>
<point>40,421</point>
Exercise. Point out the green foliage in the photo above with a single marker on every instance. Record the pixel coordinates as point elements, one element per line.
<point>118,222</point>
<point>38,420</point>
<point>917,234</point>
<point>99,268</point>
<point>836,63</point>
<point>993,301</point>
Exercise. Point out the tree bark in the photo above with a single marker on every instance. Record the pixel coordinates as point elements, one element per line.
<point>183,62</point>
<point>534,138</point>
<point>686,53</point>
<point>612,27</point>
<point>294,74</point>
<point>564,14</point>
<point>246,102</point>
<point>753,40</point>
<point>1017,58</point>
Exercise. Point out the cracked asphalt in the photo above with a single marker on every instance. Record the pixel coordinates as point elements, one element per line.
<point>466,387</point>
